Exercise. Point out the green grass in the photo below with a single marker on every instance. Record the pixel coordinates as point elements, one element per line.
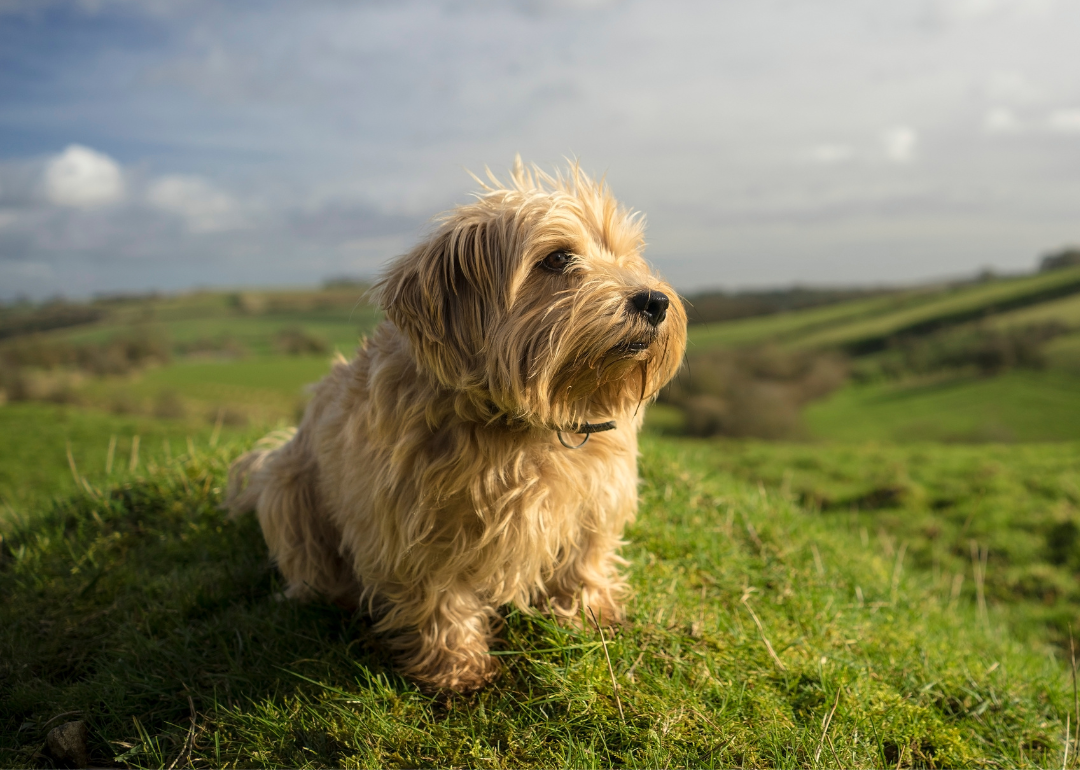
<point>131,602</point>
<point>1064,311</point>
<point>262,386</point>
<point>34,466</point>
<point>953,303</point>
<point>1015,406</point>
<point>756,614</point>
<point>340,317</point>
<point>880,317</point>
<point>1018,503</point>
<point>1063,353</point>
<point>267,388</point>
<point>782,326</point>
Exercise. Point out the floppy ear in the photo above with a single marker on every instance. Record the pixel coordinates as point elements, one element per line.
<point>444,295</point>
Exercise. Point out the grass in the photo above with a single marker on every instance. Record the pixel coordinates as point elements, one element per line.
<point>239,368</point>
<point>1018,504</point>
<point>265,388</point>
<point>252,318</point>
<point>952,306</point>
<point>860,321</point>
<point>1065,311</point>
<point>763,632</point>
<point>859,603</point>
<point>34,465</point>
<point>782,326</point>
<point>1016,406</point>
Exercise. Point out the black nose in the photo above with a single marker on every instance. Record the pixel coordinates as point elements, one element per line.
<point>652,304</point>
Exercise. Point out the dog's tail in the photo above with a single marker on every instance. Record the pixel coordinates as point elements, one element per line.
<point>247,475</point>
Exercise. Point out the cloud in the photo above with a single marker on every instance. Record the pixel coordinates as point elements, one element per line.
<point>962,11</point>
<point>83,178</point>
<point>1065,121</point>
<point>197,201</point>
<point>1012,87</point>
<point>831,153</point>
<point>899,144</point>
<point>1001,121</point>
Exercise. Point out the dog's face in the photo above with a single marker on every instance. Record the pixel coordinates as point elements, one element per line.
<point>534,302</point>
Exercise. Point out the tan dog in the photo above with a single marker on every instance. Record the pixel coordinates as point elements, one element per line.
<point>434,477</point>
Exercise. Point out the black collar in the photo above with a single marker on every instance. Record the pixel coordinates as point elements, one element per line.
<point>588,429</point>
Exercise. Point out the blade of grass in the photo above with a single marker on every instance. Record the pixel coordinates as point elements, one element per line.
<point>611,671</point>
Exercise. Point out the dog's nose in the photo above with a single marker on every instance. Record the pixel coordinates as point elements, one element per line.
<point>651,304</point>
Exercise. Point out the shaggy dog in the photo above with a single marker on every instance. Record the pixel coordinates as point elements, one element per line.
<point>481,449</point>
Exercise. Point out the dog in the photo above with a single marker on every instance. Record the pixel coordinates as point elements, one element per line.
<point>481,448</point>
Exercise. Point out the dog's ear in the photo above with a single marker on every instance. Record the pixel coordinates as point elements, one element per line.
<point>444,296</point>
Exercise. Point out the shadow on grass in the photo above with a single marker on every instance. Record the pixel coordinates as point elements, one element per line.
<point>136,608</point>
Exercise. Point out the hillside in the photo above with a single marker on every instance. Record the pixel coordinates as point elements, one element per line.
<point>790,608</point>
<point>997,360</point>
<point>865,325</point>
<point>839,603</point>
<point>244,356</point>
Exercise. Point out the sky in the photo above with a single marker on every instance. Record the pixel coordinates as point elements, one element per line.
<point>171,144</point>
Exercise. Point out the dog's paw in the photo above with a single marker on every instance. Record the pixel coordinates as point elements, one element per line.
<point>461,678</point>
<point>572,612</point>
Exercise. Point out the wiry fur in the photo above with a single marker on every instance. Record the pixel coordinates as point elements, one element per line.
<point>426,482</point>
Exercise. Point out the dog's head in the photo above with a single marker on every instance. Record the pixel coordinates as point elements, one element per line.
<point>535,303</point>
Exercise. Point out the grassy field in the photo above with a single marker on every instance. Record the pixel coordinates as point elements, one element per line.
<point>872,600</point>
<point>339,316</point>
<point>922,363</point>
<point>34,463</point>
<point>767,629</point>
<point>226,353</point>
<point>1016,406</point>
<point>1043,296</point>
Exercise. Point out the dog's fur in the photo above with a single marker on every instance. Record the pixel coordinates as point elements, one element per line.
<point>427,481</point>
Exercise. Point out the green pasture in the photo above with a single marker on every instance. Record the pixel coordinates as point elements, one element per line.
<point>265,389</point>
<point>1015,301</point>
<point>901,591</point>
<point>783,326</point>
<point>951,303</point>
<point>1065,310</point>
<point>791,607</point>
<point>1015,406</point>
<point>337,318</point>
<point>34,464</point>
<point>1064,353</point>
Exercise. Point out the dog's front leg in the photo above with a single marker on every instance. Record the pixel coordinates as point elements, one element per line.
<point>449,646</point>
<point>589,584</point>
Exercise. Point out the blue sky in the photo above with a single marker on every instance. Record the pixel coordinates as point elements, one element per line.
<point>166,144</point>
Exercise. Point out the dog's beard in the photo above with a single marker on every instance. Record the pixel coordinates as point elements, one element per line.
<point>572,376</point>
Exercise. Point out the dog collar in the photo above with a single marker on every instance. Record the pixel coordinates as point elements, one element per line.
<point>588,429</point>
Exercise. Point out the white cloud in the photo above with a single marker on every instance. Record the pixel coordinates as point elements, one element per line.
<point>973,10</point>
<point>1012,87</point>
<point>1066,121</point>
<point>831,153</point>
<point>1001,121</point>
<point>83,178</point>
<point>204,208</point>
<point>899,143</point>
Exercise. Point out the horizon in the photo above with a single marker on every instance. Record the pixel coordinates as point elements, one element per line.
<point>365,283</point>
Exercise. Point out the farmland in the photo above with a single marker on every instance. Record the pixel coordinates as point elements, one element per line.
<point>897,587</point>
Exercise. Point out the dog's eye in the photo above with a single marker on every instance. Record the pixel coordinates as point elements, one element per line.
<point>557,261</point>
